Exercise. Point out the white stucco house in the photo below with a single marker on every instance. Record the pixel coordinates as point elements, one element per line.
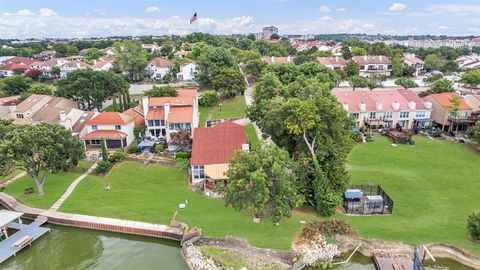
<point>188,71</point>
<point>157,68</point>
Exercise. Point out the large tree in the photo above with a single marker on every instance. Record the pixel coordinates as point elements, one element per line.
<point>397,66</point>
<point>212,61</point>
<point>161,91</point>
<point>406,83</point>
<point>352,68</point>
<point>304,118</point>
<point>41,149</point>
<point>229,82</point>
<point>15,85</point>
<point>130,58</point>
<point>442,86</point>
<point>357,82</point>
<point>264,182</point>
<point>434,62</point>
<point>91,88</point>
<point>471,79</point>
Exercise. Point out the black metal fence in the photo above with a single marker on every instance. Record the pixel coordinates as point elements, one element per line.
<point>363,206</point>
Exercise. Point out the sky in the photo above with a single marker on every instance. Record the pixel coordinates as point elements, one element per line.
<point>97,18</point>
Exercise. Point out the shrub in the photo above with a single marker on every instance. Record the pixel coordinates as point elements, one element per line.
<point>183,155</point>
<point>159,148</point>
<point>118,156</point>
<point>208,98</point>
<point>182,163</point>
<point>325,228</point>
<point>132,148</point>
<point>473,225</point>
<point>103,167</point>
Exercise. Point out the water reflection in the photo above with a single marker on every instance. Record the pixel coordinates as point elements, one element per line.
<point>78,249</point>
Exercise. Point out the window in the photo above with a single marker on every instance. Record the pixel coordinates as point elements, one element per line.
<point>452,114</point>
<point>180,126</point>
<point>389,67</point>
<point>404,114</point>
<point>95,142</point>
<point>118,127</point>
<point>372,115</point>
<point>420,114</point>
<point>20,115</point>
<point>150,123</point>
<point>380,67</point>
<point>464,114</point>
<point>94,127</point>
<point>362,67</point>
<point>388,115</point>
<point>198,172</point>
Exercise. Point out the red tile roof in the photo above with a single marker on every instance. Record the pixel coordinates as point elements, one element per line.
<point>19,60</point>
<point>160,62</point>
<point>183,97</point>
<point>217,144</point>
<point>278,60</point>
<point>412,58</point>
<point>371,59</point>
<point>105,135</point>
<point>444,100</point>
<point>13,67</point>
<point>180,114</point>
<point>335,60</point>
<point>156,114</point>
<point>110,118</point>
<point>137,115</point>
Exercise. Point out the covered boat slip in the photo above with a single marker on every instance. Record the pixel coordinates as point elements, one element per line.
<point>25,235</point>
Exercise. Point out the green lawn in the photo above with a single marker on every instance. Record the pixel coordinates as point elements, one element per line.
<point>55,186</point>
<point>108,108</point>
<point>152,194</point>
<point>434,185</point>
<point>252,135</point>
<point>204,114</point>
<point>231,108</point>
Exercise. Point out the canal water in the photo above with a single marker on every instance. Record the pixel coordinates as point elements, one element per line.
<point>66,248</point>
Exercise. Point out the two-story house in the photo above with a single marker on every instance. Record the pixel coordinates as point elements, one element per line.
<point>446,116</point>
<point>188,71</point>
<point>411,60</point>
<point>165,115</point>
<point>373,65</point>
<point>278,59</point>
<point>47,66</point>
<point>157,68</point>
<point>115,128</point>
<point>385,108</point>
<point>334,62</point>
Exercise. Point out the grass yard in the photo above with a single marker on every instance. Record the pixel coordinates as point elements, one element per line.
<point>152,194</point>
<point>204,115</point>
<point>109,108</point>
<point>434,185</point>
<point>55,186</point>
<point>231,108</point>
<point>252,135</point>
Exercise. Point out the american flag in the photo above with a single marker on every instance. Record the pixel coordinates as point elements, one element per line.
<point>194,18</point>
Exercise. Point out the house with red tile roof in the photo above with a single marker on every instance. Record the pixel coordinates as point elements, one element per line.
<point>188,72</point>
<point>411,60</point>
<point>444,115</point>
<point>334,62</point>
<point>18,60</point>
<point>115,128</point>
<point>212,149</point>
<point>11,69</point>
<point>157,68</point>
<point>166,115</point>
<point>373,64</point>
<point>278,59</point>
<point>382,108</point>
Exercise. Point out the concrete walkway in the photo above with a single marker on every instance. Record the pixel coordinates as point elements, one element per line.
<point>72,187</point>
<point>14,179</point>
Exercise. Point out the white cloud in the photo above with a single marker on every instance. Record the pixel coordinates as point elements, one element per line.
<point>473,29</point>
<point>397,7</point>
<point>23,12</point>
<point>443,27</point>
<point>46,12</point>
<point>325,8</point>
<point>341,9</point>
<point>368,26</point>
<point>453,9</point>
<point>152,9</point>
<point>326,18</point>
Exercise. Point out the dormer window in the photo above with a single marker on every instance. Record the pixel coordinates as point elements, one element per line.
<point>94,127</point>
<point>118,127</point>
<point>19,115</point>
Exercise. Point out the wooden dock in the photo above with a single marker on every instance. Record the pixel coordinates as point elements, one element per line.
<point>389,261</point>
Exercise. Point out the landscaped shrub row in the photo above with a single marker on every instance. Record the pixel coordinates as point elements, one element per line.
<point>104,166</point>
<point>473,225</point>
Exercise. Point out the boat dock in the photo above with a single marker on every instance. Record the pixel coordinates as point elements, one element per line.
<point>24,236</point>
<point>389,261</point>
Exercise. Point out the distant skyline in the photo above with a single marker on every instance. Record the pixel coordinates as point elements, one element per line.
<point>97,18</point>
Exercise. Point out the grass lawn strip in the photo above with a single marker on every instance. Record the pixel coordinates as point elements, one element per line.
<point>55,186</point>
<point>252,135</point>
<point>231,108</point>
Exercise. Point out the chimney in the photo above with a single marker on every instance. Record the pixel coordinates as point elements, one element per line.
<point>365,57</point>
<point>345,106</point>
<point>245,147</point>
<point>145,105</point>
<point>412,105</point>
<point>166,109</point>
<point>380,57</point>
<point>396,105</point>
<point>63,116</point>
<point>363,106</point>
<point>428,105</point>
<point>379,106</point>
<point>12,108</point>
<point>288,58</point>
<point>94,61</point>
<point>273,59</point>
<point>336,58</point>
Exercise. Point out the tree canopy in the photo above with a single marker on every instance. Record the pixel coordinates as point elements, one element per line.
<point>471,78</point>
<point>130,58</point>
<point>263,182</point>
<point>442,86</point>
<point>91,88</point>
<point>229,82</point>
<point>161,91</point>
<point>15,85</point>
<point>406,83</point>
<point>41,149</point>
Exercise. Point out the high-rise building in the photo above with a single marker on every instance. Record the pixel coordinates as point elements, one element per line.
<point>269,31</point>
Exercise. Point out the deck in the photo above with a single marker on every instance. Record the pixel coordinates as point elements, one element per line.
<point>388,261</point>
<point>7,247</point>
